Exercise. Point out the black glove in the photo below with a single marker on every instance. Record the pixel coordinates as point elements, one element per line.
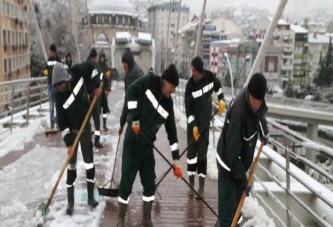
<point>265,139</point>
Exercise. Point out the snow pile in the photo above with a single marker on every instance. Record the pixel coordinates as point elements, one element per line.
<point>21,136</point>
<point>256,214</point>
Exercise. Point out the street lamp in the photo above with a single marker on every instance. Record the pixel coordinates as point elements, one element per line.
<point>247,58</point>
<point>230,70</point>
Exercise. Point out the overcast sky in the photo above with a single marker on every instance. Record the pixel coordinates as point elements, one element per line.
<point>292,8</point>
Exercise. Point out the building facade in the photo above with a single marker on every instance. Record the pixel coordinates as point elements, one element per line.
<point>301,50</point>
<point>14,40</point>
<point>106,18</point>
<point>283,41</point>
<point>165,35</point>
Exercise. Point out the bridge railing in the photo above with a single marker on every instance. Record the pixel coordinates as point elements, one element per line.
<point>18,96</point>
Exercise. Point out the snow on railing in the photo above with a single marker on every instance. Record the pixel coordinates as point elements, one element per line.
<point>17,97</point>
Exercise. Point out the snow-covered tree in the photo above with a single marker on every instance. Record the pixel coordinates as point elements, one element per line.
<point>324,77</point>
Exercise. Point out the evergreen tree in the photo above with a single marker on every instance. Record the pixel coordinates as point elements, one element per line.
<point>324,76</point>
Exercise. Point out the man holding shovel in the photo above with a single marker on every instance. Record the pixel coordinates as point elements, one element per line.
<point>198,105</point>
<point>150,106</point>
<point>72,106</point>
<point>244,120</point>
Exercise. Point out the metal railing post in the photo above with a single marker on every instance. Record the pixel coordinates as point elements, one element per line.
<point>287,186</point>
<point>28,105</point>
<point>40,98</point>
<point>12,108</point>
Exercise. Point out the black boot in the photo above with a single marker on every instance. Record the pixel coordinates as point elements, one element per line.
<point>91,200</point>
<point>147,206</point>
<point>97,144</point>
<point>121,214</point>
<point>202,187</point>
<point>191,179</point>
<point>104,124</point>
<point>70,199</point>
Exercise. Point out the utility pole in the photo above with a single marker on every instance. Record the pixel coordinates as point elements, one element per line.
<point>73,9</point>
<point>197,50</point>
<point>41,42</point>
<point>91,37</point>
<point>176,41</point>
<point>267,39</point>
<point>167,45</point>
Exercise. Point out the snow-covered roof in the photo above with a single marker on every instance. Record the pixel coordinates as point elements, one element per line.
<point>119,7</point>
<point>281,21</point>
<point>298,29</point>
<point>188,26</point>
<point>318,38</point>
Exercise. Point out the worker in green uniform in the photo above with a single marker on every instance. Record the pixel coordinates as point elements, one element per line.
<point>105,71</point>
<point>92,58</point>
<point>72,105</point>
<point>150,104</point>
<point>132,72</point>
<point>198,105</point>
<point>245,120</point>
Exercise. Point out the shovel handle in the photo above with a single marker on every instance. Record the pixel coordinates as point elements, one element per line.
<point>188,146</point>
<point>70,155</point>
<point>249,182</point>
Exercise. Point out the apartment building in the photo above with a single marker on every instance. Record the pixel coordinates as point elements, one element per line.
<point>14,40</point>
<point>165,35</point>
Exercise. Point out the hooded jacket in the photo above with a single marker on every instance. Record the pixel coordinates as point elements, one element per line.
<point>134,72</point>
<point>237,142</point>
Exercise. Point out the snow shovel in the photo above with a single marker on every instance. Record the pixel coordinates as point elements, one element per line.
<point>249,182</point>
<point>161,178</point>
<point>111,192</point>
<point>43,208</point>
<point>186,182</point>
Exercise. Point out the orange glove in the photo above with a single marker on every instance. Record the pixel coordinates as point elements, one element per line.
<point>108,74</point>
<point>177,170</point>
<point>69,151</point>
<point>46,72</point>
<point>136,127</point>
<point>98,92</point>
<point>196,133</point>
<point>120,131</point>
<point>221,106</point>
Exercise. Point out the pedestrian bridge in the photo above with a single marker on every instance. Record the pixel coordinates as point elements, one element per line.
<point>288,194</point>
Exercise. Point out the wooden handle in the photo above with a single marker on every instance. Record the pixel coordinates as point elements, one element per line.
<point>249,182</point>
<point>70,155</point>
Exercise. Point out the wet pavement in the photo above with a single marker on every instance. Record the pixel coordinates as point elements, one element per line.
<point>173,206</point>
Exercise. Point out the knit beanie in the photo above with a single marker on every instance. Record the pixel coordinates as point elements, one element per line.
<point>171,75</point>
<point>93,53</point>
<point>59,74</point>
<point>128,58</point>
<point>53,48</point>
<point>198,64</point>
<point>257,86</point>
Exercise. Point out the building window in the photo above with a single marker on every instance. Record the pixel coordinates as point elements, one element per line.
<point>5,69</point>
<point>117,20</point>
<point>271,63</point>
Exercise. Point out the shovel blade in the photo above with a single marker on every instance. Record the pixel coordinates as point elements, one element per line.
<point>109,192</point>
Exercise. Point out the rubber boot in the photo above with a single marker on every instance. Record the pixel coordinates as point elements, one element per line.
<point>104,124</point>
<point>147,206</point>
<point>70,199</point>
<point>91,199</point>
<point>121,214</point>
<point>97,143</point>
<point>202,187</point>
<point>191,179</point>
